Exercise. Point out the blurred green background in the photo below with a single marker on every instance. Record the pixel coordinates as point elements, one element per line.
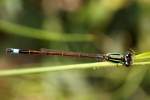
<point>93,26</point>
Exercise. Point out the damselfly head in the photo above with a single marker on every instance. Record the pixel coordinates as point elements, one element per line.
<point>128,59</point>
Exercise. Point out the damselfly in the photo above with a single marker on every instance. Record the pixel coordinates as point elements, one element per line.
<point>124,59</point>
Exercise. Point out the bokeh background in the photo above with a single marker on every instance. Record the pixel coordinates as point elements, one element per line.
<point>93,26</point>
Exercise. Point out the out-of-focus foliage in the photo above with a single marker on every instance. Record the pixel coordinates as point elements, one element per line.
<point>94,26</point>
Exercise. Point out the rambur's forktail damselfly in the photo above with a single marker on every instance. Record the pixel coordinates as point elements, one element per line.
<point>124,59</point>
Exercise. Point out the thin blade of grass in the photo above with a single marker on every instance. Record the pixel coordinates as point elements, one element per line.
<point>44,35</point>
<point>65,67</point>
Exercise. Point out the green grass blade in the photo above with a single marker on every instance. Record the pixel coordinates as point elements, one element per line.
<point>44,35</point>
<point>145,55</point>
<point>65,67</point>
